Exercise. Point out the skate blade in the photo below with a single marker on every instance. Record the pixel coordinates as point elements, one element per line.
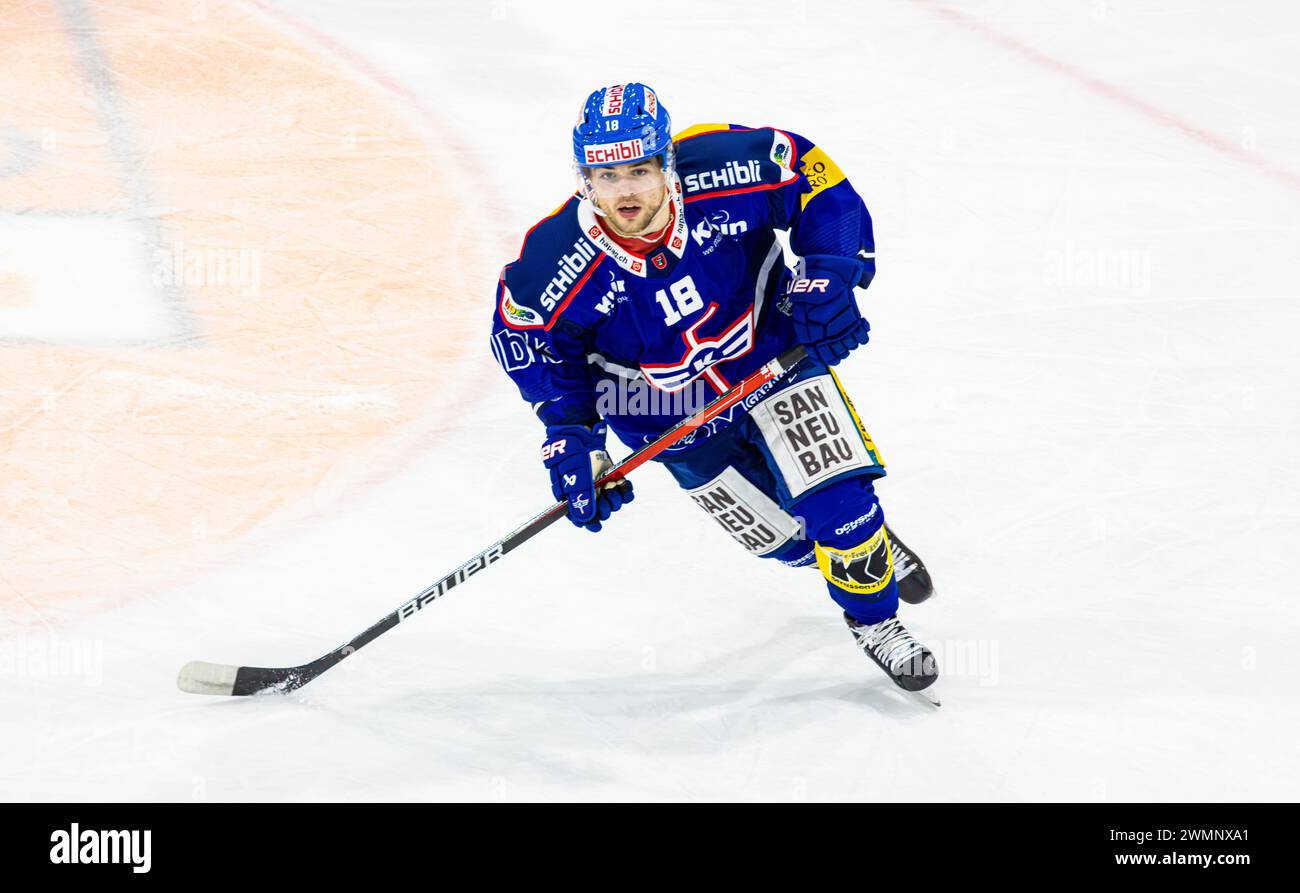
<point>928,696</point>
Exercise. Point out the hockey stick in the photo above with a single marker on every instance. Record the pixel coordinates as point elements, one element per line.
<point>202,678</point>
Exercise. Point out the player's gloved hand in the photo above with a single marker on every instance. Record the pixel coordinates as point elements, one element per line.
<point>822,306</point>
<point>575,456</point>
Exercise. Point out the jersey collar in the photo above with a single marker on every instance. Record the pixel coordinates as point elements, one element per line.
<point>629,260</point>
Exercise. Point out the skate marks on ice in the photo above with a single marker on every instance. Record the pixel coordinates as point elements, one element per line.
<point>791,711</point>
<point>221,259</point>
<point>751,715</point>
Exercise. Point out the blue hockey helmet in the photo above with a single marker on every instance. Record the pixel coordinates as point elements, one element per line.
<point>621,124</point>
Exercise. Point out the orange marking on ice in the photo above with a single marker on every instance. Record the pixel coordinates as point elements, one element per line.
<point>15,290</point>
<point>121,467</point>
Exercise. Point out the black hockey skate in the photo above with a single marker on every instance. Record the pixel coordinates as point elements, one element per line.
<point>906,661</point>
<point>914,584</point>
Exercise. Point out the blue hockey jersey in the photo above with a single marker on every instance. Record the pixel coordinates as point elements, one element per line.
<point>588,329</point>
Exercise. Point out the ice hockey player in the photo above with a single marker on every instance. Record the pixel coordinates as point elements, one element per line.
<point>661,282</point>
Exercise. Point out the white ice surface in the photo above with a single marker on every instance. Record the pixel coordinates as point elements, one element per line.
<point>1102,475</point>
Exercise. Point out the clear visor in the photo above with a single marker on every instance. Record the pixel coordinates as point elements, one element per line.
<point>641,182</point>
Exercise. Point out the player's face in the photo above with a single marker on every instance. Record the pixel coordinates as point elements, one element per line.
<point>629,194</point>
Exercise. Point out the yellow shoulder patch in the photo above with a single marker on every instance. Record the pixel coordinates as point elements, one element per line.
<point>822,173</point>
<point>698,129</point>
